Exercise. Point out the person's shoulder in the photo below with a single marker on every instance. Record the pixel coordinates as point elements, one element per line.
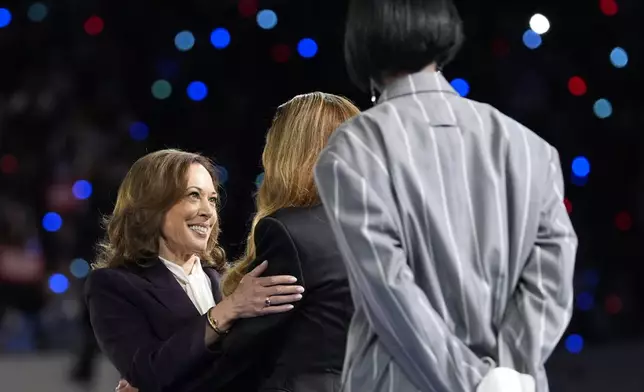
<point>108,278</point>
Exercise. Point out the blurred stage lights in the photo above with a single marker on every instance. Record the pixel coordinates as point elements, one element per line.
<point>608,7</point>
<point>618,57</point>
<point>531,39</point>
<point>197,91</point>
<point>577,86</point>
<point>82,189</point>
<point>603,108</point>
<point>585,301</point>
<point>52,222</point>
<point>79,268</point>
<point>266,19</point>
<point>461,86</point>
<point>8,164</point>
<point>613,304</point>
<point>623,221</point>
<point>259,179</point>
<point>568,205</point>
<point>580,167</point>
<point>574,343</point>
<point>5,17</point>
<point>161,89</point>
<point>247,8</point>
<point>307,48</point>
<point>139,131</point>
<point>184,40</point>
<point>58,283</point>
<point>589,278</point>
<point>37,12</point>
<point>280,53</point>
<point>539,24</point>
<point>220,38</point>
<point>222,174</point>
<point>94,25</point>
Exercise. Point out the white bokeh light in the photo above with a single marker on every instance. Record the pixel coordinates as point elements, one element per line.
<point>539,24</point>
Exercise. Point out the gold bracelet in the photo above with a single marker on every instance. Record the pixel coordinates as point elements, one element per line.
<point>214,324</point>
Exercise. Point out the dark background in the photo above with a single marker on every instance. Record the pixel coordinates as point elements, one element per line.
<point>69,99</point>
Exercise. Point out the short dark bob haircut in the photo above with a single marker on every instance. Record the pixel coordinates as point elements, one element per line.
<point>385,38</point>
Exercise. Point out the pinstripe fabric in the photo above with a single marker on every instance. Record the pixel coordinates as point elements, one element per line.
<point>458,246</point>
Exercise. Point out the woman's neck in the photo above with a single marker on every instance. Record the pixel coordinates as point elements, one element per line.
<point>184,260</point>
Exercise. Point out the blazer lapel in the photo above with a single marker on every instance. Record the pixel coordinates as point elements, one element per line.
<point>166,289</point>
<point>215,280</point>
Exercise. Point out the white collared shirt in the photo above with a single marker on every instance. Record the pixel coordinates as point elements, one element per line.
<point>196,284</point>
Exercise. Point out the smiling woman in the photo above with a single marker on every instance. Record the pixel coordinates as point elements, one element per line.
<point>154,296</point>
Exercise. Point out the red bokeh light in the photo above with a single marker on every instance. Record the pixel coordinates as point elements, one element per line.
<point>568,205</point>
<point>577,86</point>
<point>280,53</point>
<point>608,7</point>
<point>500,47</point>
<point>613,304</point>
<point>8,164</point>
<point>94,25</point>
<point>247,8</point>
<point>623,221</point>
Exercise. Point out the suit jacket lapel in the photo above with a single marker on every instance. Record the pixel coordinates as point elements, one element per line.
<point>215,279</point>
<point>165,288</point>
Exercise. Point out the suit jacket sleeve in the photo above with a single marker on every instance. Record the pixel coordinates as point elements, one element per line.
<point>125,338</point>
<point>356,191</point>
<point>541,306</point>
<point>248,339</point>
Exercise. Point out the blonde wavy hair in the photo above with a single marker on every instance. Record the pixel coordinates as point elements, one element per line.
<point>154,183</point>
<point>299,132</point>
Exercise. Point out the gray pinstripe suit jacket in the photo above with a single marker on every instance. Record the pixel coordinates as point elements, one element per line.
<point>459,249</point>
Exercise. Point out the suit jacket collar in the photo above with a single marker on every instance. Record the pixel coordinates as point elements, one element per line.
<point>165,288</point>
<point>419,82</point>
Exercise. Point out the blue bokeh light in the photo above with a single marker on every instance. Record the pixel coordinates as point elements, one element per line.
<point>79,268</point>
<point>531,39</point>
<point>603,108</point>
<point>574,343</point>
<point>58,283</point>
<point>580,167</point>
<point>82,189</point>
<point>307,48</point>
<point>197,91</point>
<point>52,222</point>
<point>220,38</point>
<point>139,131</point>
<point>222,174</point>
<point>619,57</point>
<point>266,19</point>
<point>37,12</point>
<point>184,41</point>
<point>5,17</point>
<point>259,179</point>
<point>590,278</point>
<point>461,86</point>
<point>585,301</point>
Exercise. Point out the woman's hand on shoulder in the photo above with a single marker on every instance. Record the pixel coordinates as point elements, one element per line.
<point>259,295</point>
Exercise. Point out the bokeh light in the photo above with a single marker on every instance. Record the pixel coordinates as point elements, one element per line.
<point>52,222</point>
<point>590,278</point>
<point>603,108</point>
<point>220,38</point>
<point>222,174</point>
<point>577,86</point>
<point>139,131</point>
<point>5,17</point>
<point>266,19</point>
<point>79,268</point>
<point>8,164</point>
<point>247,8</point>
<point>613,304</point>
<point>585,301</point>
<point>197,91</point>
<point>531,39</point>
<point>623,221</point>
<point>94,25</point>
<point>568,205</point>
<point>161,89</point>
<point>574,343</point>
<point>461,86</point>
<point>259,179</point>
<point>580,167</point>
<point>280,53</point>
<point>184,40</point>
<point>82,189</point>
<point>58,283</point>
<point>618,57</point>
<point>37,12</point>
<point>608,7</point>
<point>539,24</point>
<point>307,48</point>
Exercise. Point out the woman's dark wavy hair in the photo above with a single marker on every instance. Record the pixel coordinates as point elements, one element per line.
<point>388,37</point>
<point>152,186</point>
